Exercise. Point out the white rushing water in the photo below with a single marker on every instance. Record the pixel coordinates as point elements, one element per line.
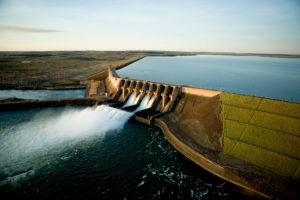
<point>47,131</point>
<point>132,101</point>
<point>137,99</point>
<point>17,177</point>
<point>30,144</point>
<point>145,104</point>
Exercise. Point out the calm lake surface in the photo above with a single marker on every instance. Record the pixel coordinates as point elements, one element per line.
<point>277,78</point>
<point>66,153</point>
<point>42,94</point>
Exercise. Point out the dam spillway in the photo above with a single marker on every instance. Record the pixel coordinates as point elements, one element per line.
<point>51,132</point>
<point>121,89</point>
<point>226,134</point>
<point>250,141</point>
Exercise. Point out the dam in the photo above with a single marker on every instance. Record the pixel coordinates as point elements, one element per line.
<point>249,141</point>
<point>252,142</point>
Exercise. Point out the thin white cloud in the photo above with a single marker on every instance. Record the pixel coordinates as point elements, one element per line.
<point>27,29</point>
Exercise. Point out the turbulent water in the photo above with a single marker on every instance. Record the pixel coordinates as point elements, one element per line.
<point>48,131</point>
<point>78,152</point>
<point>145,104</point>
<point>132,100</point>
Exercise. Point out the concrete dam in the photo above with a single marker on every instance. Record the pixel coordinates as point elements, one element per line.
<point>252,142</point>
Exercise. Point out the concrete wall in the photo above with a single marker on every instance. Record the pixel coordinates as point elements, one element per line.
<point>263,132</point>
<point>111,85</point>
<point>197,114</point>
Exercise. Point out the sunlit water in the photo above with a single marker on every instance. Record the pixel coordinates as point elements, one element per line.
<point>42,94</point>
<point>79,152</point>
<point>276,78</point>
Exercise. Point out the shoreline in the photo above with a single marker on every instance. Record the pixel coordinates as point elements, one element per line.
<point>147,54</point>
<point>256,182</point>
<point>129,63</point>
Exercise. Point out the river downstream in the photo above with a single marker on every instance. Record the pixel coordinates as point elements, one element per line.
<point>78,152</point>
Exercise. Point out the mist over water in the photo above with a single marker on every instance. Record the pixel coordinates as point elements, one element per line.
<point>50,131</point>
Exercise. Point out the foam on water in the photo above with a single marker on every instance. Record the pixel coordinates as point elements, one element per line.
<point>15,178</point>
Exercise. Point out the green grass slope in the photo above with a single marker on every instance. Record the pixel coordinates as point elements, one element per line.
<point>263,132</point>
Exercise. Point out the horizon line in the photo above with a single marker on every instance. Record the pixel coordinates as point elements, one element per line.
<point>224,52</point>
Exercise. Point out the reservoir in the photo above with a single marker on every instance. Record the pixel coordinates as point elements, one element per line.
<point>276,78</point>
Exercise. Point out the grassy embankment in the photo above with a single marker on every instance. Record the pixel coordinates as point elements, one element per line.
<point>27,70</point>
<point>263,131</point>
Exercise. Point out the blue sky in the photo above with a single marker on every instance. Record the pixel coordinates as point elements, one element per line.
<point>261,26</point>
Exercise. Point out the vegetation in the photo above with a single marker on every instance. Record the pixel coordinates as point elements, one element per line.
<point>50,69</point>
<point>262,131</point>
<point>30,70</point>
<point>180,53</point>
